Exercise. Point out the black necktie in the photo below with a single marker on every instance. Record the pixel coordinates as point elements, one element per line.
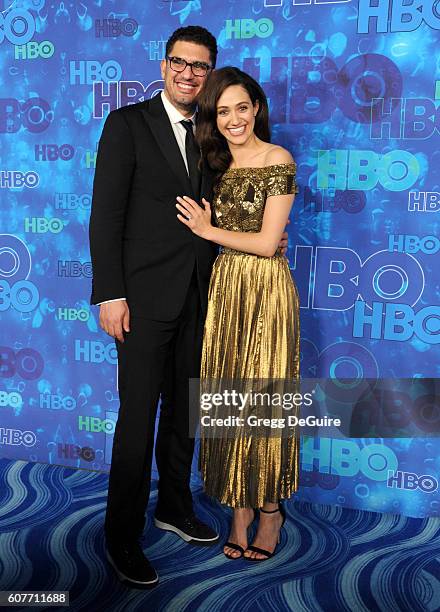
<point>192,157</point>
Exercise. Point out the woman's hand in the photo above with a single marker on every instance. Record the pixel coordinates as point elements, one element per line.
<point>197,218</point>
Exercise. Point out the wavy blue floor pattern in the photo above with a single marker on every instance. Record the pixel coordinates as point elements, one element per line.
<point>330,559</point>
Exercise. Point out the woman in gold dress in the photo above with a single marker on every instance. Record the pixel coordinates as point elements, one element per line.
<point>252,325</point>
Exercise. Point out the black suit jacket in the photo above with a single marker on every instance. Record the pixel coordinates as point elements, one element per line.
<point>139,248</point>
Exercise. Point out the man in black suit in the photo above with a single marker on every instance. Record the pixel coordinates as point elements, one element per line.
<point>151,277</point>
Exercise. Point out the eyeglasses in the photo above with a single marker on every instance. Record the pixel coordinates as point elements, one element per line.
<point>178,64</point>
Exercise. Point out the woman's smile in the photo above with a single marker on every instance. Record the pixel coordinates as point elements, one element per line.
<point>237,131</point>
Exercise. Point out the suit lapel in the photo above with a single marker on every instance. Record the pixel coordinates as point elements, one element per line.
<point>159,123</point>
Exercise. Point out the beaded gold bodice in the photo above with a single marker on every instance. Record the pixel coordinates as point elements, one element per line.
<point>240,197</point>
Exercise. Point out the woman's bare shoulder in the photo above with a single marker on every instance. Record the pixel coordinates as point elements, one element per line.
<point>278,155</point>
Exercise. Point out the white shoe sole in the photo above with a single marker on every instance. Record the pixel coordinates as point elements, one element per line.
<point>182,534</point>
<point>125,578</point>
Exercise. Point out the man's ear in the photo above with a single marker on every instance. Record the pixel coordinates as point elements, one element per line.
<point>163,65</point>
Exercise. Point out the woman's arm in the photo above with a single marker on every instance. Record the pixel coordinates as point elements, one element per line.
<point>266,241</point>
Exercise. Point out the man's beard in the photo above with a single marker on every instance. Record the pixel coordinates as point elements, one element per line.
<point>187,106</point>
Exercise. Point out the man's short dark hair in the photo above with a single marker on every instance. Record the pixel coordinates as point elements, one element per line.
<point>197,35</point>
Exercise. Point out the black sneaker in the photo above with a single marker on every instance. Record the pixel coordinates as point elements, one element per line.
<point>131,565</point>
<point>190,529</point>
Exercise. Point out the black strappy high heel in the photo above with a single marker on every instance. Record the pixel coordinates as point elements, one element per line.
<point>237,546</point>
<point>256,549</point>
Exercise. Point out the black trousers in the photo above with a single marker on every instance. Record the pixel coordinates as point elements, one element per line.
<point>156,359</point>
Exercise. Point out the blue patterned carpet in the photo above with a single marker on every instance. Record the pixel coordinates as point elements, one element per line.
<point>330,559</point>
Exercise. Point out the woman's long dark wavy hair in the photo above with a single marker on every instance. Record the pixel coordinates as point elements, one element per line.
<point>214,146</point>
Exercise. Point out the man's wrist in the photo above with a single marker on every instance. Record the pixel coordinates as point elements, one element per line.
<point>113,300</point>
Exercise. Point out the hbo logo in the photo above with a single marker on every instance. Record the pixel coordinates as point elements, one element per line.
<point>73,314</point>
<point>22,295</point>
<point>413,244</point>
<point>26,362</point>
<point>13,399</point>
<point>86,72</point>
<point>397,16</point>
<point>95,352</point>
<point>411,482</point>
<point>96,424</point>
<point>75,269</point>
<point>57,402</point>
<point>72,201</point>
<point>351,202</point>
<point>400,322</point>
<point>32,50</point>
<point>14,179</point>
<point>111,28</point>
<point>248,28</point>
<point>397,170</point>
<point>34,114</point>
<point>15,267</point>
<point>41,225</point>
<point>51,152</point>
<point>73,451</point>
<point>15,437</point>
<point>17,26</point>
<point>424,201</point>
<point>345,458</point>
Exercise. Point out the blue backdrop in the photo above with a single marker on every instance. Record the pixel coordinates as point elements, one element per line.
<point>354,93</point>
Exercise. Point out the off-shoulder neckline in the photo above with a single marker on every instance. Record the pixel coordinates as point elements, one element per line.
<point>260,167</point>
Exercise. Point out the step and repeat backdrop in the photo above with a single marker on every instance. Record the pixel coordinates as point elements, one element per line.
<point>354,91</point>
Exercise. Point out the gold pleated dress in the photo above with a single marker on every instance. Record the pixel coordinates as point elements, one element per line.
<point>251,332</point>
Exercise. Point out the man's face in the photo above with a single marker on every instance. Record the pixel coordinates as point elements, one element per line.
<point>182,88</point>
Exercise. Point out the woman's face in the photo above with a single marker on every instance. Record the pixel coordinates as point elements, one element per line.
<point>236,115</point>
